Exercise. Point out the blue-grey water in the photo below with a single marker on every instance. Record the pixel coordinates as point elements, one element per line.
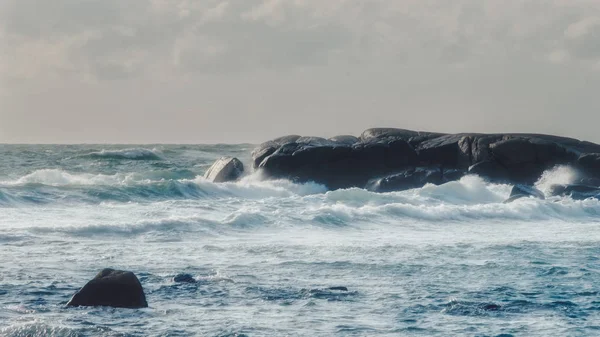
<point>444,260</point>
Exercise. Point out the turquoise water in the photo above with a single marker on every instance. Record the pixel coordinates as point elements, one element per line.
<point>437,261</point>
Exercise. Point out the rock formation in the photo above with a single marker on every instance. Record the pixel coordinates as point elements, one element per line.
<point>225,169</point>
<point>111,288</point>
<point>385,159</point>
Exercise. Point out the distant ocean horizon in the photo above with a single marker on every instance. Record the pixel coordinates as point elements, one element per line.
<point>441,260</point>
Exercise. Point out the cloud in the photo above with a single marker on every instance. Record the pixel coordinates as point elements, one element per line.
<point>109,39</point>
<point>459,63</point>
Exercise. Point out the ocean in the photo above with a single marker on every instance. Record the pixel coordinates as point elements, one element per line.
<point>448,260</point>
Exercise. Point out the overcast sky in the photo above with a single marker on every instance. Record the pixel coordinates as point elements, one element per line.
<point>186,71</point>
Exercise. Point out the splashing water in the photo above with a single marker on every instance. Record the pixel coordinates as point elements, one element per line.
<point>265,255</point>
<point>560,175</point>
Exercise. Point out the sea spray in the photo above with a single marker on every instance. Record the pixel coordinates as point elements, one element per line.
<point>559,175</point>
<point>439,260</point>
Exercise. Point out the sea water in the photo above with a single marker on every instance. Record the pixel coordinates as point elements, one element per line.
<point>443,260</point>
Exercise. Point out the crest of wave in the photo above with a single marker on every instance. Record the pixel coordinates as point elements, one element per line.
<point>132,153</point>
<point>55,177</point>
<point>470,189</point>
<point>256,186</point>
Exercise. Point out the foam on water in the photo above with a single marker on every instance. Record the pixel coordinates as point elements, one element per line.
<point>131,154</point>
<point>439,260</point>
<point>57,177</point>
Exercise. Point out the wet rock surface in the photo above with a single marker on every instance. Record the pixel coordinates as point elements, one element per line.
<point>111,288</point>
<point>396,156</point>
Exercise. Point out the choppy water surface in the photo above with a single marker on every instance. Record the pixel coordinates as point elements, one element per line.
<point>437,261</point>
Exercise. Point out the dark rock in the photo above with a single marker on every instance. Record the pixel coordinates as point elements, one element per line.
<point>449,151</point>
<point>338,288</point>
<point>184,278</point>
<point>480,147</point>
<point>343,162</point>
<point>379,133</point>
<point>111,288</point>
<point>315,141</point>
<point>575,191</point>
<point>491,307</point>
<point>490,170</point>
<point>517,155</point>
<point>452,174</point>
<point>524,191</point>
<point>526,158</point>
<point>408,179</point>
<point>549,153</point>
<point>590,164</point>
<point>344,139</point>
<point>267,148</point>
<point>224,170</point>
<point>339,166</point>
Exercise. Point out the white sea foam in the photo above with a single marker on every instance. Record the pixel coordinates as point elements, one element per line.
<point>132,153</point>
<point>276,238</point>
<point>470,189</point>
<point>253,186</point>
<point>55,177</point>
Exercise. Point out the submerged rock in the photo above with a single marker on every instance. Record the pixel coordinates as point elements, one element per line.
<point>225,169</point>
<point>338,288</point>
<point>524,191</point>
<point>111,288</point>
<point>184,278</point>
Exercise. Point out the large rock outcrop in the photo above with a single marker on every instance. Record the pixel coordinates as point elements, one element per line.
<point>111,288</point>
<point>380,153</point>
<point>225,169</point>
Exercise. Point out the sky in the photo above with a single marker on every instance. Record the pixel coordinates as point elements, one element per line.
<point>213,71</point>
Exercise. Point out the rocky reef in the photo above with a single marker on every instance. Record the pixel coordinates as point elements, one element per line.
<point>387,159</point>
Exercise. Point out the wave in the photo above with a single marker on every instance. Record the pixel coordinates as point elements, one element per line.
<point>470,198</point>
<point>56,177</point>
<point>53,185</point>
<point>255,187</point>
<point>470,189</point>
<point>129,154</point>
<point>40,329</point>
<point>526,210</point>
<point>267,202</point>
<point>170,226</point>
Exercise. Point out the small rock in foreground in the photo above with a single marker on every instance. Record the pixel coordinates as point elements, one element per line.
<point>111,288</point>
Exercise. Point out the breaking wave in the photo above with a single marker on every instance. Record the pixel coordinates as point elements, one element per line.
<point>278,201</point>
<point>129,154</point>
